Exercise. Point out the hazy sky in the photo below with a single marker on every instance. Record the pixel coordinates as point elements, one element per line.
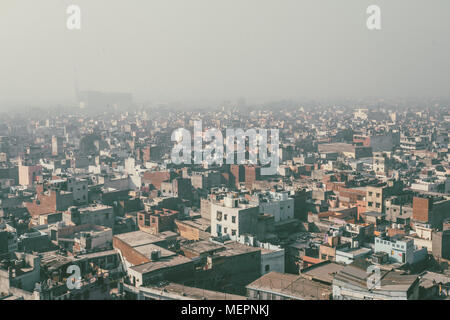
<point>179,50</point>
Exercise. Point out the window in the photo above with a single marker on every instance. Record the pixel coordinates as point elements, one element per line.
<point>233,219</point>
<point>219,215</point>
<point>233,232</point>
<point>267,268</point>
<point>378,195</point>
<point>370,193</point>
<point>377,205</point>
<point>370,204</point>
<point>225,230</point>
<point>225,217</point>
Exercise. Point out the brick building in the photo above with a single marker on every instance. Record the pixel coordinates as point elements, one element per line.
<point>49,201</point>
<point>431,210</point>
<point>157,221</point>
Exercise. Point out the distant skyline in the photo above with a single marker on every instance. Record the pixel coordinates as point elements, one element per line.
<point>216,50</point>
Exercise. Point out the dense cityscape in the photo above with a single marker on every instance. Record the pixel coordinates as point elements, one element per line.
<point>224,159</point>
<point>93,207</point>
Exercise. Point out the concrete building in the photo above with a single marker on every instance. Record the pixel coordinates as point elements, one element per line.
<point>358,282</point>
<point>322,272</point>
<point>78,187</point>
<point>172,268</point>
<point>400,249</point>
<point>272,256</point>
<point>147,260</point>
<point>19,270</point>
<point>346,149</point>
<point>381,164</point>
<point>100,215</point>
<point>378,142</point>
<point>277,204</point>
<point>376,195</point>
<point>398,213</point>
<point>413,143</point>
<point>206,180</point>
<point>84,238</point>
<point>179,188</point>
<point>283,286</point>
<point>233,218</point>
<point>29,174</point>
<point>157,221</point>
<point>349,255</point>
<point>57,145</point>
<point>441,244</point>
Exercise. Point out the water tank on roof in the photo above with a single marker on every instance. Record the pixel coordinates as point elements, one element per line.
<point>155,255</point>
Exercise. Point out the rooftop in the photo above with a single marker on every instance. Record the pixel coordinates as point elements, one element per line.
<point>138,238</point>
<point>202,246</point>
<point>324,271</point>
<point>375,214</point>
<point>161,264</point>
<point>356,274</point>
<point>292,286</point>
<point>147,249</point>
<point>187,293</point>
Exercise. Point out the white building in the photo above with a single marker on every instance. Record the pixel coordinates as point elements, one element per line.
<point>277,204</point>
<point>400,250</point>
<point>233,218</point>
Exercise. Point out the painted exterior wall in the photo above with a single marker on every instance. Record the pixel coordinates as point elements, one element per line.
<point>272,261</point>
<point>222,221</point>
<point>281,210</point>
<point>399,251</point>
